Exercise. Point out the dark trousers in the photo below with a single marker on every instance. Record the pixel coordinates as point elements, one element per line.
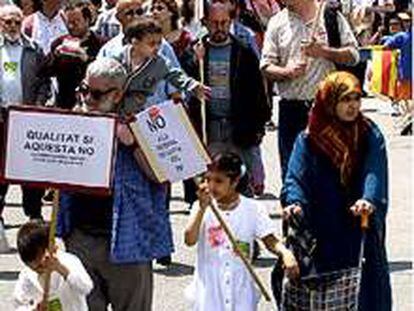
<point>127,287</point>
<point>293,118</point>
<point>32,200</point>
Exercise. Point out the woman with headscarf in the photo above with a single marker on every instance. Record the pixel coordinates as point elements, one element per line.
<point>337,171</point>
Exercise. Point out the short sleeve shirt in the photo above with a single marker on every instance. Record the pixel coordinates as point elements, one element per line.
<point>286,31</point>
<point>221,281</point>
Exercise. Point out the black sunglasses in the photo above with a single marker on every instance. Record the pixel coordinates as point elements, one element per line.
<point>158,8</point>
<point>136,12</point>
<point>85,89</point>
<point>9,22</point>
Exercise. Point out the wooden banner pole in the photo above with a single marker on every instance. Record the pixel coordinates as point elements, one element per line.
<point>52,232</point>
<point>203,103</point>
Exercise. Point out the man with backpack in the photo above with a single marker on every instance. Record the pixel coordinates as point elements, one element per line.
<point>297,55</point>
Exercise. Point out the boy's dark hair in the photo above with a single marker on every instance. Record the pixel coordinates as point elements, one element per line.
<point>141,28</point>
<point>32,240</point>
<point>96,3</point>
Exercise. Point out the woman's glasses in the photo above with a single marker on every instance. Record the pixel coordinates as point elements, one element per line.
<point>134,12</point>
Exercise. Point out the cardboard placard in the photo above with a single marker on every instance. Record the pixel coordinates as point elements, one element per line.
<point>59,149</point>
<point>169,144</point>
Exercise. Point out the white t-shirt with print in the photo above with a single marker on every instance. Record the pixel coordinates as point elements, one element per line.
<point>221,281</point>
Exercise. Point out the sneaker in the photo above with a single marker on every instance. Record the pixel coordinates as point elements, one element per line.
<point>271,126</point>
<point>187,211</point>
<point>256,250</point>
<point>48,197</point>
<point>164,261</point>
<point>4,245</point>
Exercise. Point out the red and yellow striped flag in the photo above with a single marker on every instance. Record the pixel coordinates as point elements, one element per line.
<point>384,71</point>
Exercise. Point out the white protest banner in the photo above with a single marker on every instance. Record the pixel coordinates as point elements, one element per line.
<point>169,142</point>
<point>59,149</point>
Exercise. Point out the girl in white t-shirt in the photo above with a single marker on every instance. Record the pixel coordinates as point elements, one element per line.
<point>221,281</point>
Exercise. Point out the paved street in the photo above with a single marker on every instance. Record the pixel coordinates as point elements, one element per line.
<point>171,282</point>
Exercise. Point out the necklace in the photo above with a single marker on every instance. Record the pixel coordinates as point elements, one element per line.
<point>229,206</point>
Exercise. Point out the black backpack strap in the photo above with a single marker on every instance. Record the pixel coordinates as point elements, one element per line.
<point>331,25</point>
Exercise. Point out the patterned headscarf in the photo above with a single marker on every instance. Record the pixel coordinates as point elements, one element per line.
<point>338,140</point>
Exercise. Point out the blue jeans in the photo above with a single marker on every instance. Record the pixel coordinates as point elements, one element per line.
<point>293,118</point>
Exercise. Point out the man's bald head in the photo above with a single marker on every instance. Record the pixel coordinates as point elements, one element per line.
<point>218,22</point>
<point>218,6</point>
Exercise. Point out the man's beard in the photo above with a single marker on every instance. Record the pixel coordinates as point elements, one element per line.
<point>106,105</point>
<point>219,37</point>
<point>11,38</point>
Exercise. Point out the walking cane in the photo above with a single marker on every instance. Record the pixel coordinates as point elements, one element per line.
<point>317,19</point>
<point>200,57</point>
<point>52,231</point>
<point>364,227</point>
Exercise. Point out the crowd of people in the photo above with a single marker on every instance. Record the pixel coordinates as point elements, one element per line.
<point>123,56</point>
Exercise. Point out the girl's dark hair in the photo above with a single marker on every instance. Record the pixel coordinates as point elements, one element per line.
<point>37,5</point>
<point>173,9</point>
<point>230,164</point>
<point>141,28</point>
<point>32,240</point>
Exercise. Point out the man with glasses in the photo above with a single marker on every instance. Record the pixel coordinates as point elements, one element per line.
<point>116,237</point>
<point>22,82</point>
<point>237,110</point>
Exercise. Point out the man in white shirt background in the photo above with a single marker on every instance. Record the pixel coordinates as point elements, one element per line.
<point>46,24</point>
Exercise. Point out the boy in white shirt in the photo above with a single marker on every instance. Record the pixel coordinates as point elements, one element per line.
<point>69,283</point>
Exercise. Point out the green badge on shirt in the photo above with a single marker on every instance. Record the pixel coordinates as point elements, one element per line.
<point>10,67</point>
<point>54,305</point>
<point>244,248</point>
